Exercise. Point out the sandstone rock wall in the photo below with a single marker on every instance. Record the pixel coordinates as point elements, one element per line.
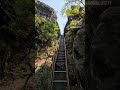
<point>103,56</point>
<point>75,41</point>
<point>46,11</point>
<point>93,51</point>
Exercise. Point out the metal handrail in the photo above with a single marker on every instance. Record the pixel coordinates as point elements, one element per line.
<point>53,65</point>
<point>66,66</point>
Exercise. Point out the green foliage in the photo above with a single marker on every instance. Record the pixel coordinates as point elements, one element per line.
<point>47,29</point>
<point>74,10</point>
<point>37,21</point>
<point>74,22</point>
<point>43,78</point>
<point>70,3</point>
<point>77,14</point>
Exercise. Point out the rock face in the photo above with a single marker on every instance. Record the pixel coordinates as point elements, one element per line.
<point>75,41</point>
<point>46,11</point>
<point>93,51</point>
<point>104,57</point>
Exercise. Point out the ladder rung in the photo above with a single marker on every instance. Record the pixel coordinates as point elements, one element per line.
<point>59,71</point>
<point>61,55</point>
<point>57,81</point>
<point>60,60</point>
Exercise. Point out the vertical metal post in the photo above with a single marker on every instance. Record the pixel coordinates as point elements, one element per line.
<point>68,85</point>
<point>53,64</point>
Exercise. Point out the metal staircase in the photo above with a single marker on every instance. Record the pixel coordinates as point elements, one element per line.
<point>60,80</point>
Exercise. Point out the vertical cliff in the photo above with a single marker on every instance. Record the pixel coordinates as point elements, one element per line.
<point>102,41</point>
<point>75,41</point>
<point>47,41</point>
<point>93,50</point>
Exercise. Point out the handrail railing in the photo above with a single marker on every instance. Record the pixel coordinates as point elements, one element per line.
<point>53,64</point>
<point>66,66</point>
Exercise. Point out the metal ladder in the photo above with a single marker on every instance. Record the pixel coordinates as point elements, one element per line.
<point>60,79</point>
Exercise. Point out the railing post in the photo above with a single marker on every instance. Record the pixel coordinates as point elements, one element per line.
<point>66,65</point>
<point>53,64</point>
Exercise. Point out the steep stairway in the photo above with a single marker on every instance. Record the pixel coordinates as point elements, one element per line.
<point>60,72</point>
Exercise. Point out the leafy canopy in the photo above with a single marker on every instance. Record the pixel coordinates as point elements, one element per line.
<point>74,10</point>
<point>47,30</point>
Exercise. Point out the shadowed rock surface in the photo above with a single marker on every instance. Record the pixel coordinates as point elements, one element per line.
<point>93,51</point>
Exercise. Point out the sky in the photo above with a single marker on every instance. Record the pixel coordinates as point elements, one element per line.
<point>57,6</point>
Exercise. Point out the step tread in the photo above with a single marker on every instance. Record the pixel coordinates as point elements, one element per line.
<point>61,54</point>
<point>60,60</point>
<point>59,71</point>
<point>60,81</point>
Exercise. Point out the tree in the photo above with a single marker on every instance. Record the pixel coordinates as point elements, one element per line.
<point>69,3</point>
